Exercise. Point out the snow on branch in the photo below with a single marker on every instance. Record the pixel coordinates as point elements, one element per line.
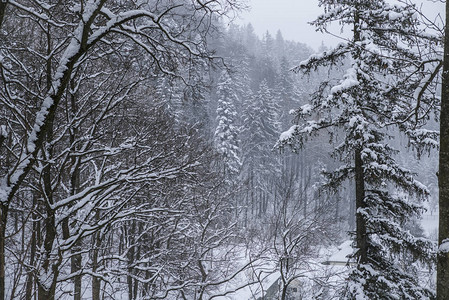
<point>444,247</point>
<point>326,58</point>
<point>3,134</point>
<point>349,81</point>
<point>40,16</point>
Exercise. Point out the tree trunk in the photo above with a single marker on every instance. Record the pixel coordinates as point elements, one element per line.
<point>75,262</point>
<point>337,209</point>
<point>96,244</point>
<point>34,245</point>
<point>3,218</point>
<point>301,184</point>
<point>131,230</point>
<point>136,282</point>
<point>47,286</point>
<point>76,259</point>
<point>352,210</point>
<point>3,206</point>
<point>251,188</point>
<point>47,290</point>
<point>2,12</point>
<point>284,292</point>
<point>443,176</point>
<point>306,186</point>
<point>361,238</point>
<point>96,283</point>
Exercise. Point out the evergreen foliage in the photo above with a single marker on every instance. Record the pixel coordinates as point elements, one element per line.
<point>260,127</point>
<point>227,131</point>
<point>377,96</point>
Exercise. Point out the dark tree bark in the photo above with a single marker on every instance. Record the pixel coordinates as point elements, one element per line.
<point>96,282</point>
<point>361,238</point>
<point>34,244</point>
<point>3,219</point>
<point>76,259</point>
<point>47,291</point>
<point>351,218</point>
<point>443,176</point>
<point>3,206</point>
<point>76,264</point>
<point>2,11</point>
<point>131,258</point>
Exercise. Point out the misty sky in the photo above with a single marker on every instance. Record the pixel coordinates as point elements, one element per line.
<point>291,17</point>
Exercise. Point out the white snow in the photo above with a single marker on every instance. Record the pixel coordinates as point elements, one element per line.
<point>349,81</point>
<point>287,135</point>
<point>4,190</point>
<point>444,247</point>
<point>3,131</point>
<point>343,253</point>
<point>371,47</point>
<point>353,120</point>
<point>306,108</point>
<point>341,47</point>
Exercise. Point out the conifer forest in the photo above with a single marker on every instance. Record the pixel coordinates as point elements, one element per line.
<point>160,149</point>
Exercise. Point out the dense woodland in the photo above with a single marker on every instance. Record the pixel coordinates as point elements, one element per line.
<point>155,150</point>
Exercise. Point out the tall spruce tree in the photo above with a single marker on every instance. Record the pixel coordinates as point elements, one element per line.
<point>227,131</point>
<point>376,97</point>
<point>259,131</point>
<point>287,93</point>
<point>259,125</point>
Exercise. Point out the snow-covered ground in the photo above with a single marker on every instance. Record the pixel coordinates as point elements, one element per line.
<point>333,272</point>
<point>314,276</point>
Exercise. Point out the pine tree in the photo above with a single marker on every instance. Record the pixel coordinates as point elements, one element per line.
<point>374,99</point>
<point>287,93</point>
<point>280,44</point>
<point>259,130</point>
<point>227,131</point>
<point>260,125</point>
<point>240,75</point>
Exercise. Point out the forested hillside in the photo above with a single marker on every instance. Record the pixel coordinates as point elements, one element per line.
<point>156,150</point>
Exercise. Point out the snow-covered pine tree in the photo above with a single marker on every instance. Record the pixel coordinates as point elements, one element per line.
<point>376,97</point>
<point>242,87</point>
<point>259,131</point>
<point>259,124</point>
<point>287,92</point>
<point>227,131</point>
<point>238,60</point>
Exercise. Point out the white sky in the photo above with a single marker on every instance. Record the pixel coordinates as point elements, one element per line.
<point>291,17</point>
